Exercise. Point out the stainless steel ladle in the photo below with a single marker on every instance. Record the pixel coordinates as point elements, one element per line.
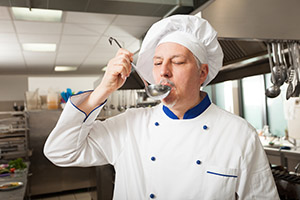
<point>154,91</point>
<point>274,90</point>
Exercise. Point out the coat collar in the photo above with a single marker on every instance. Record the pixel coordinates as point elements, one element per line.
<point>191,113</point>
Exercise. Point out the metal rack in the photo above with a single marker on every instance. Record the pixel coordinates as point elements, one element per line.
<point>14,135</point>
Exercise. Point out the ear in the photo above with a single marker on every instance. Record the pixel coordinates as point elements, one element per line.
<point>203,73</point>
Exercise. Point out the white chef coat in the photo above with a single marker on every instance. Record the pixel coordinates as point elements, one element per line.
<point>211,155</point>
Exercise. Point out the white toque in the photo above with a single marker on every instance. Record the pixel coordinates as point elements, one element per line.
<point>192,32</point>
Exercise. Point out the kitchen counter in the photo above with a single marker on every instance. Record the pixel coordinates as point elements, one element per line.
<point>18,193</point>
<point>280,145</point>
<point>279,155</point>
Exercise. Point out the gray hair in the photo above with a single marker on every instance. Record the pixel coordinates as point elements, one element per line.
<point>198,62</point>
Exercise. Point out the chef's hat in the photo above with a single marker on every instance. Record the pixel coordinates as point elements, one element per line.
<point>190,31</point>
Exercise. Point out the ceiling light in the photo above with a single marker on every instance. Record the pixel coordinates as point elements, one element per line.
<point>65,68</point>
<point>40,47</point>
<point>37,14</point>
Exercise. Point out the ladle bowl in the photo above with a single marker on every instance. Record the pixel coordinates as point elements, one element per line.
<point>157,91</point>
<point>273,91</point>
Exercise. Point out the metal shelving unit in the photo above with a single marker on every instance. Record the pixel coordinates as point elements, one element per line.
<point>14,135</point>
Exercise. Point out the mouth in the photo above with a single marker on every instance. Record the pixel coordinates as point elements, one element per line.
<point>167,82</point>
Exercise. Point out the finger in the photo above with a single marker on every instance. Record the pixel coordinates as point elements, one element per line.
<point>125,61</point>
<point>125,53</point>
<point>120,66</point>
<point>119,71</point>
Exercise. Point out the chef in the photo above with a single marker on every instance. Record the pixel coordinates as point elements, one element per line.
<point>184,148</point>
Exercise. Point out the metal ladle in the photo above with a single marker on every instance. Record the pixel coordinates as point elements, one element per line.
<point>283,65</point>
<point>279,76</point>
<point>297,69</point>
<point>274,90</point>
<point>154,91</point>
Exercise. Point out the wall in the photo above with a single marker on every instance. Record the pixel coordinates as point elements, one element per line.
<point>12,88</point>
<point>60,84</point>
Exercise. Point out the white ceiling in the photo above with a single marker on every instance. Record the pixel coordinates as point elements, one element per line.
<point>81,39</point>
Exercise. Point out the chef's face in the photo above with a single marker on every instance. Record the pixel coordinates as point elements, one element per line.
<point>176,66</point>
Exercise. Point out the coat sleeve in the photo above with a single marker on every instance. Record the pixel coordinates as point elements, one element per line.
<point>80,140</point>
<point>256,179</point>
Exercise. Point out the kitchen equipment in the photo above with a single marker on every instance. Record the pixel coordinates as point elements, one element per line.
<point>283,67</point>
<point>112,106</point>
<point>296,61</point>
<point>132,99</point>
<point>287,183</point>
<point>279,77</point>
<point>285,62</point>
<point>154,91</point>
<point>124,98</point>
<point>120,106</point>
<point>274,90</point>
<point>52,100</point>
<point>291,74</point>
<point>10,186</point>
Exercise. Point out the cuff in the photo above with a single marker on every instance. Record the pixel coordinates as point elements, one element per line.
<point>77,99</point>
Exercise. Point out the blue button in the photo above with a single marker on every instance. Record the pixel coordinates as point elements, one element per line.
<point>205,127</point>
<point>156,124</point>
<point>153,158</point>
<point>198,162</point>
<point>152,196</point>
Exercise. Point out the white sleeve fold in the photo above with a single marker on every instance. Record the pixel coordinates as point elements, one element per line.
<point>77,139</point>
<point>256,180</point>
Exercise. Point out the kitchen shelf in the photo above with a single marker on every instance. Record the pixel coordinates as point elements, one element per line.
<point>14,135</point>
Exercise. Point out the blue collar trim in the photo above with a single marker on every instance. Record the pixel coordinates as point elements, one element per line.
<point>191,113</point>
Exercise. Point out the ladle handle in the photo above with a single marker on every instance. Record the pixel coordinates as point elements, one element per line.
<point>145,82</point>
<point>279,51</point>
<point>290,56</point>
<point>116,41</point>
<point>275,53</point>
<point>283,55</point>
<point>271,63</point>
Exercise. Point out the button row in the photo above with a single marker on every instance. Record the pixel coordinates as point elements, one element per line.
<point>197,161</point>
<point>204,126</point>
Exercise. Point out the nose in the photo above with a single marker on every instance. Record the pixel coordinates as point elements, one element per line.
<point>165,70</point>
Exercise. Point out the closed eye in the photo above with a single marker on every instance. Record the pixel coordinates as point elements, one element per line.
<point>179,63</point>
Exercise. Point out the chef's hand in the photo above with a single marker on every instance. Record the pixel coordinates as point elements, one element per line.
<point>118,69</point>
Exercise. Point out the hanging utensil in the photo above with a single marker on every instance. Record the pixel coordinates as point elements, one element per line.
<point>277,68</point>
<point>297,69</point>
<point>112,106</point>
<point>285,62</point>
<point>274,90</point>
<point>125,99</point>
<point>132,99</point>
<point>273,80</point>
<point>283,67</point>
<point>291,73</point>
<point>120,106</point>
<point>154,91</point>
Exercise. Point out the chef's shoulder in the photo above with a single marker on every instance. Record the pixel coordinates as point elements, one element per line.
<point>235,124</point>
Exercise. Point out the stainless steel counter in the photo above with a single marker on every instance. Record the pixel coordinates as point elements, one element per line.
<point>46,177</point>
<point>18,193</point>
